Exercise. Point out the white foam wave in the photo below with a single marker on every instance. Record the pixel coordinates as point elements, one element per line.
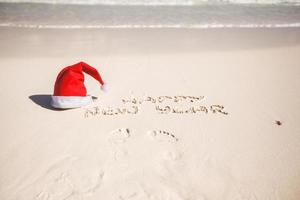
<point>199,26</point>
<point>152,2</point>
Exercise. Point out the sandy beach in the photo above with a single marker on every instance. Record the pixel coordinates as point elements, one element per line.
<point>189,115</point>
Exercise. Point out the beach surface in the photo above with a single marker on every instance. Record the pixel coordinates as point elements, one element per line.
<point>210,114</point>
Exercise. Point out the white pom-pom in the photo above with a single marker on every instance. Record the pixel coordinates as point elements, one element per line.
<point>104,87</point>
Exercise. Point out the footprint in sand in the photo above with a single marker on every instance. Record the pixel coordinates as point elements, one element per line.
<point>161,135</point>
<point>117,138</point>
<point>165,144</point>
<point>69,179</point>
<point>119,135</point>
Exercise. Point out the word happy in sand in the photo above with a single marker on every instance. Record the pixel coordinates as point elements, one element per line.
<point>163,105</point>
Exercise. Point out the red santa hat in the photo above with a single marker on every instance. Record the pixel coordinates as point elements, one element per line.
<point>69,89</point>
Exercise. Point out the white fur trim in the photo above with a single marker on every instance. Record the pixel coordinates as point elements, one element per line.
<point>104,87</point>
<point>70,101</point>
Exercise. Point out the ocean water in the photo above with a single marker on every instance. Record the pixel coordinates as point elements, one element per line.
<point>149,14</point>
<point>154,2</point>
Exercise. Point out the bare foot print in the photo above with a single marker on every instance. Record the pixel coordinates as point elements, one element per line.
<point>69,179</point>
<point>117,139</point>
<point>166,144</point>
<point>54,184</point>
<point>119,135</point>
<point>161,135</point>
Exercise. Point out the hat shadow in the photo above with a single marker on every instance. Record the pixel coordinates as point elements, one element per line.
<point>44,100</point>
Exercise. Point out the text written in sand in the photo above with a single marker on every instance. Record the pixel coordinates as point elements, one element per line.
<point>162,105</point>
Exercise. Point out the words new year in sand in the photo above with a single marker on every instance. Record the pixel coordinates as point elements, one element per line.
<point>179,104</point>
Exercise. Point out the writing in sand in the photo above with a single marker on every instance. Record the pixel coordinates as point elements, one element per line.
<point>162,105</point>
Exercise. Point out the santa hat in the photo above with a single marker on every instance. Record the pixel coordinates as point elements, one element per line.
<point>69,89</point>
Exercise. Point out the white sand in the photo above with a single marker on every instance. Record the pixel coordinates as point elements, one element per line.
<point>56,155</point>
